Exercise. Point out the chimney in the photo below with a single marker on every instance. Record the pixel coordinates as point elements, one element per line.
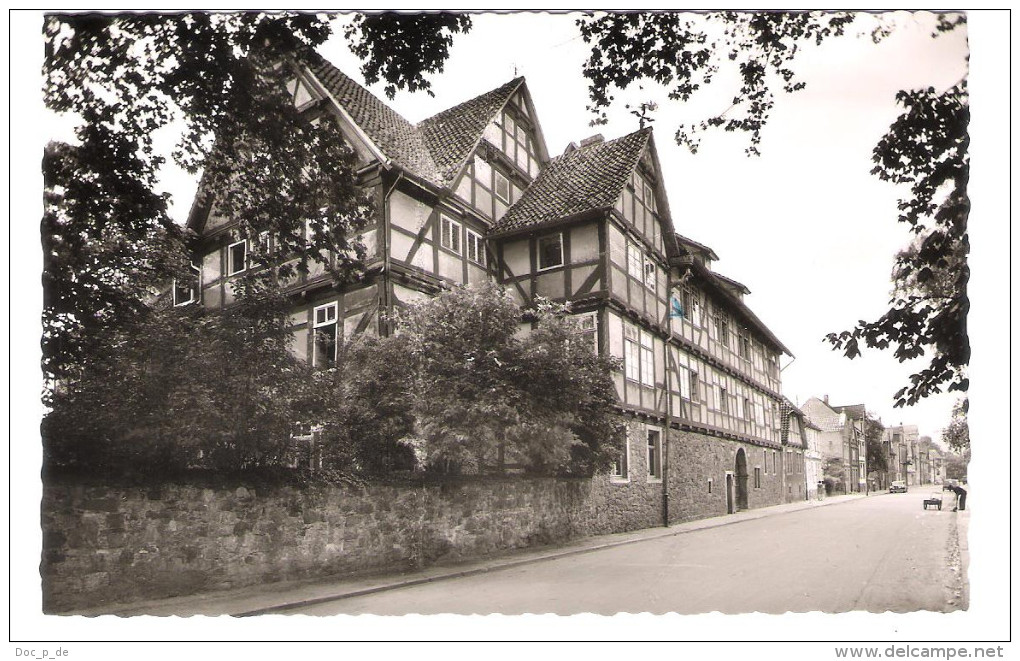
<point>826,400</point>
<point>593,140</point>
<point>571,147</point>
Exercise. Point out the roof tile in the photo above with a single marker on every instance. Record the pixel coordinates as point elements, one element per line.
<point>397,138</point>
<point>585,179</point>
<point>451,135</point>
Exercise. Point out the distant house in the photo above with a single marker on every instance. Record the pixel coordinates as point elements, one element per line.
<point>794,452</point>
<point>472,194</point>
<point>813,460</point>
<point>841,436</point>
<point>902,442</point>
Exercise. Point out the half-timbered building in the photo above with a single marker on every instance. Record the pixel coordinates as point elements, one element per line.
<point>472,194</point>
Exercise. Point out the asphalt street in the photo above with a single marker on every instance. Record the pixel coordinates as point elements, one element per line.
<point>880,553</point>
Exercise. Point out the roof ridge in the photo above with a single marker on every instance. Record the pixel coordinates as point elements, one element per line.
<point>580,181</point>
<point>515,82</point>
<point>397,138</point>
<point>453,134</point>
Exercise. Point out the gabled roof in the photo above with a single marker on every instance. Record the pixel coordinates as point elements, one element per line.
<point>397,139</point>
<point>821,414</point>
<point>853,411</point>
<point>690,244</point>
<point>452,135</point>
<point>739,286</point>
<point>584,180</point>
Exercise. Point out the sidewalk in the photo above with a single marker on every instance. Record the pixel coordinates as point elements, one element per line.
<point>284,596</point>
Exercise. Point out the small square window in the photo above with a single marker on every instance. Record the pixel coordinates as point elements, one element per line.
<point>237,257</point>
<point>550,251</point>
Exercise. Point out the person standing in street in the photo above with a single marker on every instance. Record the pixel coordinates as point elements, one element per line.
<point>961,497</point>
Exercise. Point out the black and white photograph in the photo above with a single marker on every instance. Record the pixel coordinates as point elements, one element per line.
<point>578,325</point>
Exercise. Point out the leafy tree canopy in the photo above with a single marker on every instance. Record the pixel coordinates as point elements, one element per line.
<point>186,388</point>
<point>874,435</point>
<point>956,435</point>
<point>220,80</point>
<point>484,395</point>
<point>402,48</point>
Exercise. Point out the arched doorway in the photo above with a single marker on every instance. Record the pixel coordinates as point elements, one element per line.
<point>741,479</point>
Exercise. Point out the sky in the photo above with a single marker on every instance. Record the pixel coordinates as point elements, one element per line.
<point>804,226</point>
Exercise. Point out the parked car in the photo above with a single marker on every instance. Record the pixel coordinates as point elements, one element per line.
<point>935,500</point>
<point>898,486</point>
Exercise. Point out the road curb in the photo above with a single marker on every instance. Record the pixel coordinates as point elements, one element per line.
<point>639,536</point>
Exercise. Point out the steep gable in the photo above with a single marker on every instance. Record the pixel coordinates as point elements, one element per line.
<point>583,180</point>
<point>453,134</point>
<point>395,137</point>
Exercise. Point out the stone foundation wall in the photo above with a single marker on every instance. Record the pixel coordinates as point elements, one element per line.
<point>104,544</point>
<point>697,458</point>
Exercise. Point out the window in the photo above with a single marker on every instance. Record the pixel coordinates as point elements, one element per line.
<point>513,139</point>
<point>748,409</point>
<point>635,261</point>
<point>654,455</point>
<point>300,93</point>
<point>695,309</point>
<point>647,360</point>
<point>745,346</point>
<point>186,290</point>
<point>501,186</point>
<point>450,234</point>
<point>325,335</point>
<point>695,387</point>
<point>722,327</point>
<point>620,471</point>
<point>709,485</point>
<point>757,477</point>
<point>475,247</point>
<point>631,360</point>
<point>260,246</point>
<point>587,328</point>
<point>723,401</point>
<point>237,257</point>
<point>550,251</point>
<point>775,459</point>
<point>650,274</point>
